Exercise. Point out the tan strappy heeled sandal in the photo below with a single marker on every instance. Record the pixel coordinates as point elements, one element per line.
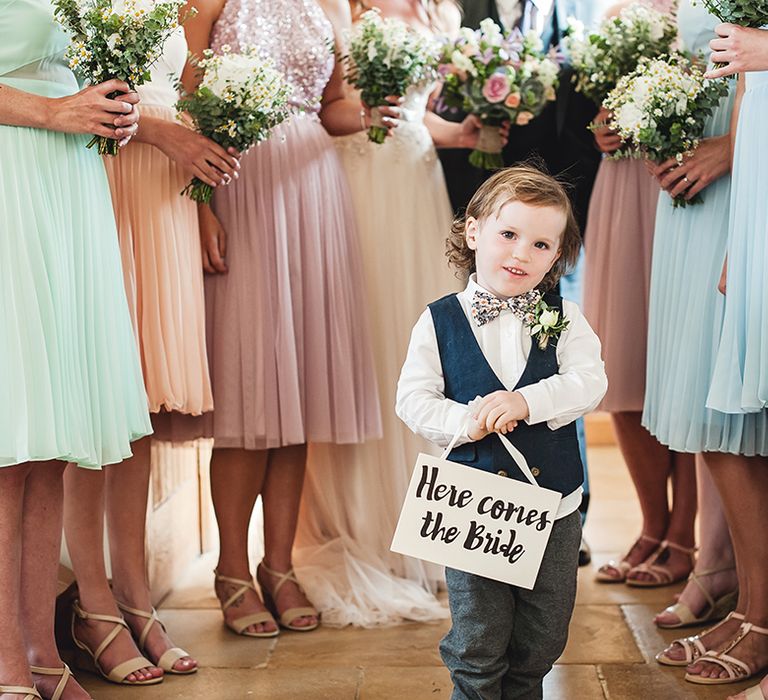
<point>736,669</point>
<point>240,625</point>
<point>714,610</point>
<point>692,646</point>
<point>659,573</point>
<point>291,614</point>
<point>64,672</point>
<point>605,572</point>
<point>170,656</point>
<point>28,693</point>
<point>88,660</point>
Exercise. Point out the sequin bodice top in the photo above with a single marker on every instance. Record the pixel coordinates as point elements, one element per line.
<point>295,34</point>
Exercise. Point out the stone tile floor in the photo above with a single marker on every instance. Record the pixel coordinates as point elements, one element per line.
<point>609,655</point>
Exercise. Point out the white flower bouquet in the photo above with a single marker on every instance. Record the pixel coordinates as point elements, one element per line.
<point>615,48</point>
<point>238,102</point>
<point>116,39</point>
<point>385,57</point>
<point>498,77</point>
<point>660,110</point>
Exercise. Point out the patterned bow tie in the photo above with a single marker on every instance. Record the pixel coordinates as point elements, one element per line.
<point>486,307</point>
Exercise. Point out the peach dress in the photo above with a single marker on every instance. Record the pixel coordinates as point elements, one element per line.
<point>160,247</point>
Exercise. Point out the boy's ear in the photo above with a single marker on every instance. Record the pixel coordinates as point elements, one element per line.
<point>470,232</point>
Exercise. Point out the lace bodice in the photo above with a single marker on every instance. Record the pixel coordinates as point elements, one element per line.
<point>295,34</point>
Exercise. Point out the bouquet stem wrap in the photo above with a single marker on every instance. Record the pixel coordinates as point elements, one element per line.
<point>377,132</point>
<point>487,155</point>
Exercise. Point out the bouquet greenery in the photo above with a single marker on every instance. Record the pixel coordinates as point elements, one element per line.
<point>661,108</point>
<point>615,48</point>
<point>385,57</point>
<point>498,77</point>
<point>240,99</point>
<point>747,13</point>
<point>116,39</point>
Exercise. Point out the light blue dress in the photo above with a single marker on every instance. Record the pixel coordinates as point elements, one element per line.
<point>740,380</point>
<point>686,310</point>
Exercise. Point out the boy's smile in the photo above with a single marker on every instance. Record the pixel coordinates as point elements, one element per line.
<point>516,247</point>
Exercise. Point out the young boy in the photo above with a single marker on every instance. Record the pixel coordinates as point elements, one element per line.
<point>495,359</point>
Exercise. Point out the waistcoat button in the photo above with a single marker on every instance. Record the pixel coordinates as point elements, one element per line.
<point>501,472</point>
<point>535,471</point>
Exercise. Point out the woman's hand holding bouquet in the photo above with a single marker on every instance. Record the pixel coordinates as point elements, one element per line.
<point>660,111</point>
<point>240,99</point>
<point>116,39</point>
<point>499,78</point>
<point>384,59</point>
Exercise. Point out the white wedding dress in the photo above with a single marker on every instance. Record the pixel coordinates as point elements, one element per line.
<point>353,493</point>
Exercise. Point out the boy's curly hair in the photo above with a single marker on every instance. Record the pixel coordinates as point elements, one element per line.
<point>524,183</point>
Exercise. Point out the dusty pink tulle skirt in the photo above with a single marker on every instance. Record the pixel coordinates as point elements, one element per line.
<point>288,340</point>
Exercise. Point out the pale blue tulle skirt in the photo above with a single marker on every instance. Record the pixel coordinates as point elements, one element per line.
<point>70,378</point>
<point>686,322</point>
<point>740,380</point>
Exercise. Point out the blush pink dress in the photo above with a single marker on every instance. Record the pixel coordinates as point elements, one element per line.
<point>287,330</point>
<point>160,248</point>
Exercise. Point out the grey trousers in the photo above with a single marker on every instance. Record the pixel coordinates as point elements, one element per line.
<point>503,639</point>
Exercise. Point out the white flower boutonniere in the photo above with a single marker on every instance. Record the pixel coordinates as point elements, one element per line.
<point>546,323</point>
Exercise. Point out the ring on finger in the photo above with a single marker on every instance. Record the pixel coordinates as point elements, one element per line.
<point>685,177</point>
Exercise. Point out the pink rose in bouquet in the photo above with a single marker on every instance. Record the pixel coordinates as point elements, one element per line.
<point>496,88</point>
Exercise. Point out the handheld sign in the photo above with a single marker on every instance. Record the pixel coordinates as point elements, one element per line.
<point>476,521</point>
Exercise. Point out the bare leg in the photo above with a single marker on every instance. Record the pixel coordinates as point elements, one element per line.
<point>41,537</point>
<point>650,466</point>
<point>13,658</point>
<point>716,553</point>
<point>237,477</point>
<point>84,530</point>
<point>127,487</point>
<point>743,483</point>
<point>282,496</point>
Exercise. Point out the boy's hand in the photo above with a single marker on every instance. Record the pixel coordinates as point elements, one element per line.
<point>476,431</point>
<point>500,411</point>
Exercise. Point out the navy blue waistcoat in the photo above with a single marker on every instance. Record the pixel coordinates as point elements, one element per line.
<point>552,455</point>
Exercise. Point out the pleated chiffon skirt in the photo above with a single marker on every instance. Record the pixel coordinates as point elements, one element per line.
<point>618,247</point>
<point>686,320</point>
<point>162,268</point>
<point>288,340</point>
<point>740,379</point>
<point>70,377</point>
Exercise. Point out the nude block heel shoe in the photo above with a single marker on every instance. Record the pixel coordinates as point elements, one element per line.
<point>169,657</point>
<point>240,625</point>
<point>88,660</point>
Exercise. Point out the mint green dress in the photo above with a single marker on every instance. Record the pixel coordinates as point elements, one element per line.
<point>71,386</point>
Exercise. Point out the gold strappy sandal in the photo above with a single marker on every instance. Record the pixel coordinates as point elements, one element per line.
<point>240,625</point>
<point>64,672</point>
<point>291,614</point>
<point>714,610</point>
<point>170,656</point>
<point>88,660</point>
<point>28,693</point>
<point>692,646</point>
<point>622,567</point>
<point>659,572</point>
<point>736,669</point>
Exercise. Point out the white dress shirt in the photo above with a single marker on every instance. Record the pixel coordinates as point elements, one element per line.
<point>530,15</point>
<point>558,400</point>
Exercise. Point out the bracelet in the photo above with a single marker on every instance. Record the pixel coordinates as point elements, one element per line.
<point>362,120</point>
